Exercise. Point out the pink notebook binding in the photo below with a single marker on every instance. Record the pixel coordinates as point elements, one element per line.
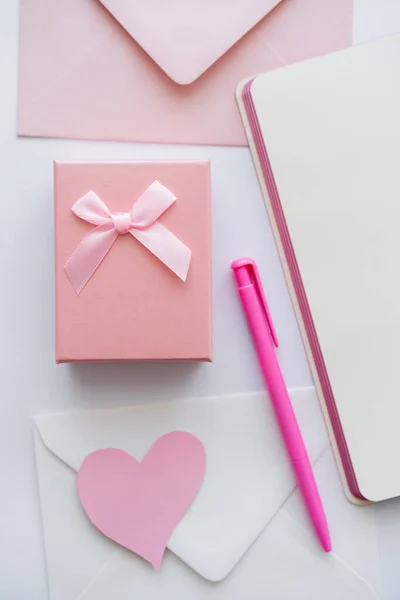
<point>299,288</point>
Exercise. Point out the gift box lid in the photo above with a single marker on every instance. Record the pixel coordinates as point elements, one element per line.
<point>133,305</point>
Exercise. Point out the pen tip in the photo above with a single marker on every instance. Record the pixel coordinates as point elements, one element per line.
<point>327,546</point>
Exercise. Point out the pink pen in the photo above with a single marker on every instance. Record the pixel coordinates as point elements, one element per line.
<point>264,337</point>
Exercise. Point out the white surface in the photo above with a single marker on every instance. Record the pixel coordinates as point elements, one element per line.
<point>341,204</point>
<point>30,381</point>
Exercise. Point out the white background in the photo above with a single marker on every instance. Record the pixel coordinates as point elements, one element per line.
<point>30,382</point>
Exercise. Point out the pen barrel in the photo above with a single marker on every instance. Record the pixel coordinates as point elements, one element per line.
<point>275,383</point>
<point>264,345</point>
<point>308,488</point>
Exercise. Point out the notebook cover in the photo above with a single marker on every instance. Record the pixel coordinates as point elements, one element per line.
<point>330,133</point>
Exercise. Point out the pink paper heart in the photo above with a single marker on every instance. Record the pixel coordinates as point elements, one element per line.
<point>139,504</point>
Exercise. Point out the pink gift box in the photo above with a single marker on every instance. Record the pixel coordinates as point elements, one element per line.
<point>133,305</point>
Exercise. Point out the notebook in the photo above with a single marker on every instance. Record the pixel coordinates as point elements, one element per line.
<point>325,137</point>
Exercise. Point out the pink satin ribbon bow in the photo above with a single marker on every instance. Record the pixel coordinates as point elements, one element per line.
<point>141,222</point>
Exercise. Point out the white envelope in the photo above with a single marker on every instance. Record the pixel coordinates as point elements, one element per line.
<point>247,491</point>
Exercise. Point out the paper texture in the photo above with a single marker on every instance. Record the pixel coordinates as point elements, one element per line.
<point>331,131</point>
<point>240,437</point>
<point>81,75</point>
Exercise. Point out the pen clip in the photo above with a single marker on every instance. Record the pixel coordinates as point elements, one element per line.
<point>252,269</point>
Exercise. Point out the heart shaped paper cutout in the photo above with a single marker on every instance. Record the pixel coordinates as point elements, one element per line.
<point>139,504</point>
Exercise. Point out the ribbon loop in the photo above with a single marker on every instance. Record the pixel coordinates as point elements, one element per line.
<point>151,205</point>
<point>92,209</point>
<point>141,222</point>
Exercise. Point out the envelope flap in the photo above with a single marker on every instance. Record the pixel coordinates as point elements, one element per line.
<point>185,37</point>
<point>248,476</point>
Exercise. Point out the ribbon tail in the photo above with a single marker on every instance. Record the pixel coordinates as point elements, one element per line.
<point>88,255</point>
<point>166,247</point>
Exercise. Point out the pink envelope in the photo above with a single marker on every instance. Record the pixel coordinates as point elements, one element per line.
<point>159,71</point>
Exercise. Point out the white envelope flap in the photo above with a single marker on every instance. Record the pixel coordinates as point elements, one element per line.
<point>84,565</point>
<point>185,37</point>
<point>248,475</point>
